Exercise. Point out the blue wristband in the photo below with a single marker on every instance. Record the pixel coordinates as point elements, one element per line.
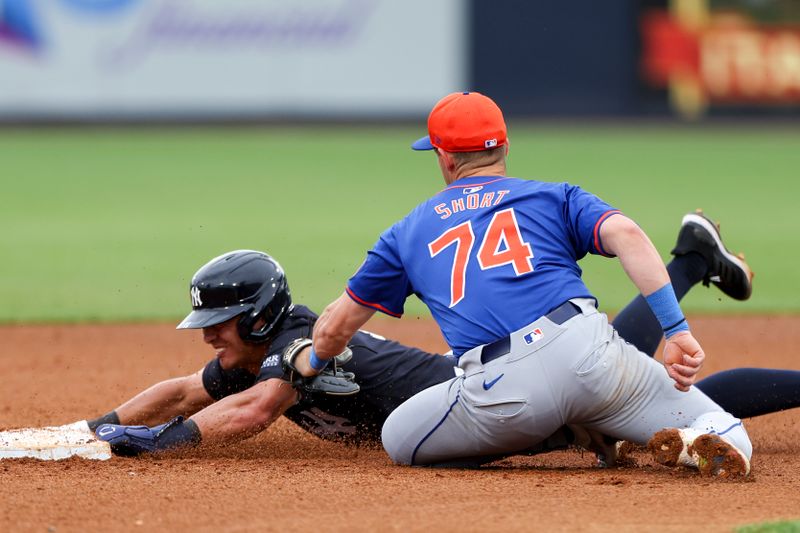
<point>316,363</point>
<point>665,306</point>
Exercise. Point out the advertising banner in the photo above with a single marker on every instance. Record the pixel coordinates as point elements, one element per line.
<point>263,58</point>
<point>724,54</point>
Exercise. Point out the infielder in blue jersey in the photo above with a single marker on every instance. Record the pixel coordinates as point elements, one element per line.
<point>495,260</point>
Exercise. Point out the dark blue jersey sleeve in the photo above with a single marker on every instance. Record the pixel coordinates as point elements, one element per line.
<point>220,383</point>
<point>298,325</point>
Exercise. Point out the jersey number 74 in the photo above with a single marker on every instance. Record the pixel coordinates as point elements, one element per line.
<point>503,231</point>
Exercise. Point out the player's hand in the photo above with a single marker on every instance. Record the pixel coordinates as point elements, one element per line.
<point>331,381</point>
<point>130,441</point>
<point>683,358</point>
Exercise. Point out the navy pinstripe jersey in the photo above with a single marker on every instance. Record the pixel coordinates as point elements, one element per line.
<point>387,372</point>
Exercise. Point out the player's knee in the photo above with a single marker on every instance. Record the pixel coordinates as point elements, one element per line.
<point>392,437</point>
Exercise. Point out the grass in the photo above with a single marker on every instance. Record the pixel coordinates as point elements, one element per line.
<point>791,526</point>
<point>110,224</point>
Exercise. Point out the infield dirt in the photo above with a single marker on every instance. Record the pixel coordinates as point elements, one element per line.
<point>285,479</point>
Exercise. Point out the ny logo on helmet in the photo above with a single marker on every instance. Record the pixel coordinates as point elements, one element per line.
<point>196,301</point>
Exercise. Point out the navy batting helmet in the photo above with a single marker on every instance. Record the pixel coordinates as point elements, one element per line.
<point>242,282</point>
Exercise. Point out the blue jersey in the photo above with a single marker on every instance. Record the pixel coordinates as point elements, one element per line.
<point>487,255</point>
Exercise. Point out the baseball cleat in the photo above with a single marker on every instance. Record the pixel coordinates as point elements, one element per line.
<point>709,453</point>
<point>727,271</point>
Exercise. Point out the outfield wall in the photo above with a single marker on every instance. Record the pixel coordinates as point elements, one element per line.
<point>384,59</point>
<point>238,58</point>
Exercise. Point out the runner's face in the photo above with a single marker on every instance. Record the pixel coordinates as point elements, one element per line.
<point>231,350</point>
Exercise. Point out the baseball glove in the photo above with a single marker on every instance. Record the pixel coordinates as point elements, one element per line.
<point>330,382</point>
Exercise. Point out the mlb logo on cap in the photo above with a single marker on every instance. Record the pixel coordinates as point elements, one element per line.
<point>464,122</point>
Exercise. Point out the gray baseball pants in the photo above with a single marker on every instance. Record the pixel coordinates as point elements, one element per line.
<point>577,372</point>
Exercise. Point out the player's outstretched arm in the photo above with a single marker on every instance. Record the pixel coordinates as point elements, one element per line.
<point>163,401</point>
<point>622,237</point>
<point>233,418</point>
<point>246,413</point>
<point>683,356</point>
<point>334,328</point>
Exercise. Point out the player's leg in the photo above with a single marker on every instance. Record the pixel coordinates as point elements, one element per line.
<point>440,427</point>
<point>749,392</point>
<point>700,255</point>
<point>743,392</point>
<point>503,404</point>
<point>409,425</point>
<point>627,395</point>
<point>637,324</point>
<point>676,420</point>
<point>424,431</point>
